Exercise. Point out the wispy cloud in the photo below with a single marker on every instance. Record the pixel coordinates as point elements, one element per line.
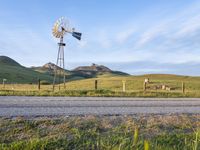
<point>190,26</point>
<point>170,35</point>
<point>103,38</point>
<point>178,26</point>
<point>124,35</point>
<point>151,34</point>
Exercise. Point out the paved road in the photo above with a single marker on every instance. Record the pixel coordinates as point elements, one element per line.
<point>55,106</point>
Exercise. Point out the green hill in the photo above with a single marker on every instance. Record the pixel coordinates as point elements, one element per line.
<point>16,73</point>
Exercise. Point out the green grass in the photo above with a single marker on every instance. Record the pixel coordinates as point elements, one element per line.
<point>99,93</point>
<point>168,132</point>
<point>20,74</point>
<point>112,86</point>
<point>15,73</point>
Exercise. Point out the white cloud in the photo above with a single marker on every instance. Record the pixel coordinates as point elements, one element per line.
<point>190,26</point>
<point>170,28</point>
<point>149,35</point>
<point>123,36</point>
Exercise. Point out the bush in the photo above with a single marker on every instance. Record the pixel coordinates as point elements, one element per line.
<point>44,82</point>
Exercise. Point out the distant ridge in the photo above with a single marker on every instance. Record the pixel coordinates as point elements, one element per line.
<point>95,70</point>
<point>80,72</point>
<point>16,73</point>
<point>8,61</point>
<point>50,66</point>
<point>47,68</point>
<point>93,67</point>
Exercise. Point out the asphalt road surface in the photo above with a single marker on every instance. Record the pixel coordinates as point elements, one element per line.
<point>58,106</point>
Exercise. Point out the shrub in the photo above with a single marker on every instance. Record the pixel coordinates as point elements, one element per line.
<point>44,82</point>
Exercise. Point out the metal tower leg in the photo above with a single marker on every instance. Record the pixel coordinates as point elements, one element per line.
<point>61,64</point>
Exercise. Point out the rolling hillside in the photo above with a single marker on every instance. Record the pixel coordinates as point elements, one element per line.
<point>16,73</point>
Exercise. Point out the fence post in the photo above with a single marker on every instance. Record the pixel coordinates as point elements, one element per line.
<point>38,84</point>
<point>183,87</point>
<point>144,86</point>
<point>4,85</point>
<point>95,84</point>
<point>124,86</point>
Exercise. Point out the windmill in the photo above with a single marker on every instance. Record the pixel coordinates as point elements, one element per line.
<point>60,29</point>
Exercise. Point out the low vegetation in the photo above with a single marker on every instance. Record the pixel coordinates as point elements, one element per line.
<point>156,132</point>
<point>112,86</point>
<point>98,93</point>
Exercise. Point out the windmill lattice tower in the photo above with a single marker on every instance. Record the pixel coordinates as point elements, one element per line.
<point>60,28</point>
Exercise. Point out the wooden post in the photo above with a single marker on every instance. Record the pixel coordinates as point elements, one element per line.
<point>38,84</point>
<point>183,87</point>
<point>4,85</point>
<point>124,86</point>
<point>64,80</point>
<point>145,86</point>
<point>95,84</point>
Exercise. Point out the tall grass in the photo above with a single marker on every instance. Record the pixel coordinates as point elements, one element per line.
<point>99,93</point>
<point>106,141</point>
<point>98,134</point>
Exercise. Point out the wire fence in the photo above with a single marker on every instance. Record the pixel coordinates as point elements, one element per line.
<point>112,85</point>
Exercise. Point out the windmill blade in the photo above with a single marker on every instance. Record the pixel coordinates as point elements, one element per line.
<point>77,35</point>
<point>59,27</point>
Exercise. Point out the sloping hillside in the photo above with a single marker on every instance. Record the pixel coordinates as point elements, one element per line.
<point>81,72</point>
<point>16,73</point>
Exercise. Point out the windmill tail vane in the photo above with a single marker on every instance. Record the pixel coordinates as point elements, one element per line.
<point>77,35</point>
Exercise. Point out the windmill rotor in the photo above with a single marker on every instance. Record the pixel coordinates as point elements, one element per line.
<point>61,27</point>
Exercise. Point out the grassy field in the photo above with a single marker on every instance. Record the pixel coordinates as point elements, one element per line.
<point>156,132</point>
<point>112,86</point>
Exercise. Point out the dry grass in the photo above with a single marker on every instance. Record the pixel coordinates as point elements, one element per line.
<point>79,132</point>
<point>134,84</point>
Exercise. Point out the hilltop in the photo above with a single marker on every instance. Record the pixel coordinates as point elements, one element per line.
<point>81,72</point>
<point>47,68</point>
<point>16,73</point>
<point>4,60</point>
<point>95,70</point>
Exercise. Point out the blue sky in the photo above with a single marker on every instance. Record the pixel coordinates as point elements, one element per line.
<point>146,36</point>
